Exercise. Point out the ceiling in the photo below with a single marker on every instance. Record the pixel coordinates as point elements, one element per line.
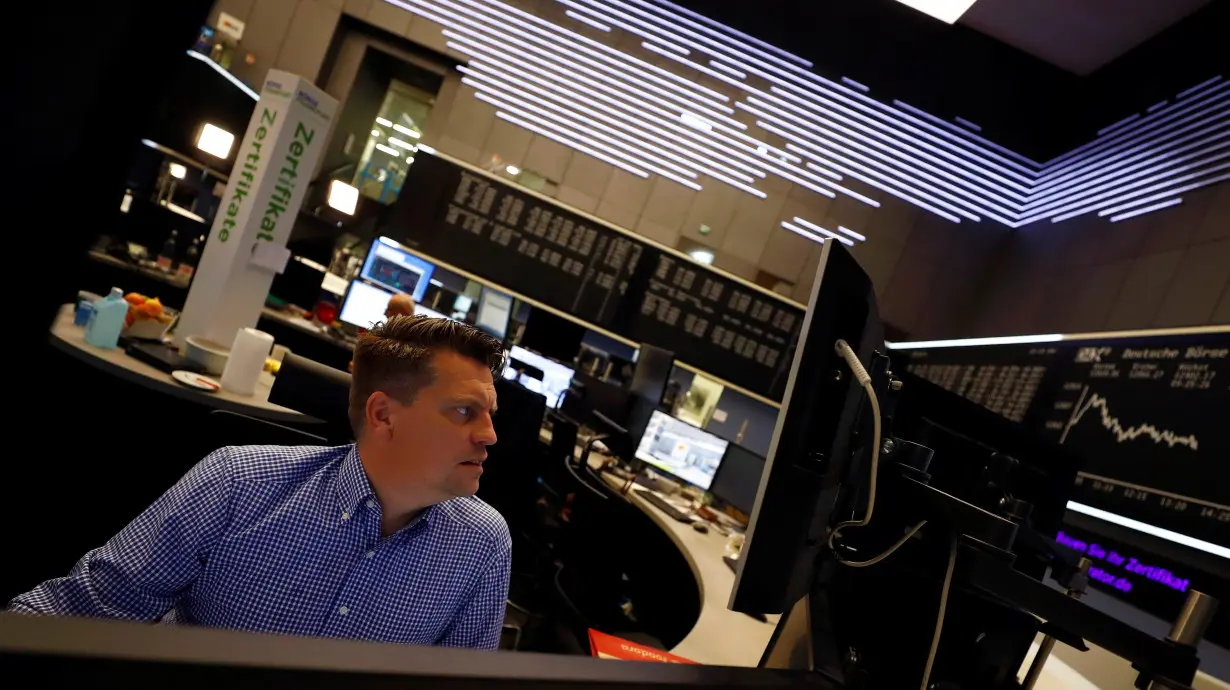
<point>1079,36</point>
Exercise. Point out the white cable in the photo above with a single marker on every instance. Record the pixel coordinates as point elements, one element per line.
<point>872,561</point>
<point>864,378</point>
<point>939,621</point>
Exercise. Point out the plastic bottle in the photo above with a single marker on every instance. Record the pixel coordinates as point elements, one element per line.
<point>166,256</point>
<point>193,255</point>
<point>107,321</point>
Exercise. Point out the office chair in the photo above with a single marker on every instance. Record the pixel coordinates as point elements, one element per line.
<point>226,428</point>
<point>316,390</point>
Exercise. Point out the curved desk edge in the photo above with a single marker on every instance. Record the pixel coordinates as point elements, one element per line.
<point>70,340</point>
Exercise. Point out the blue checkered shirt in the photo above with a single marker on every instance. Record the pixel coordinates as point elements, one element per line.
<point>287,540</point>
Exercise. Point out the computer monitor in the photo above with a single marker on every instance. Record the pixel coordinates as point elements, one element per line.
<point>299,283</point>
<point>681,449</point>
<point>552,335</point>
<point>738,478</point>
<point>809,455</point>
<point>397,269</point>
<point>653,370</point>
<point>494,310</point>
<point>364,305</point>
<point>555,376</point>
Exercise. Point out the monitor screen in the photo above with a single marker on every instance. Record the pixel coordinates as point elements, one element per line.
<point>738,478</point>
<point>364,305</point>
<point>396,269</point>
<point>681,449</point>
<point>494,310</point>
<point>555,376</point>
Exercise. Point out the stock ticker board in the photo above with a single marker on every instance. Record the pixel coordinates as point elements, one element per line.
<point>1147,415</point>
<point>601,275</point>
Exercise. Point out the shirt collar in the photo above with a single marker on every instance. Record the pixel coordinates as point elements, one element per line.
<point>352,483</point>
<point>354,487</point>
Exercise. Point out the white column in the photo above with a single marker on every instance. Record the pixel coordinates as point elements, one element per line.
<point>268,183</point>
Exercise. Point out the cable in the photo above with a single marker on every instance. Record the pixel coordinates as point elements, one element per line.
<point>886,554</point>
<point>864,378</point>
<point>939,621</point>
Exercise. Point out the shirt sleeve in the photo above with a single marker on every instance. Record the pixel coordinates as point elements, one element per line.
<point>140,573</point>
<point>480,621</point>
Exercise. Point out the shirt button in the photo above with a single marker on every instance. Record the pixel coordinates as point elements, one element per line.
<point>371,503</point>
<point>343,610</point>
<point>345,516</point>
<point>369,554</point>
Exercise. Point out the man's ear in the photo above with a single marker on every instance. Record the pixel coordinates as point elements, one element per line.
<point>378,413</point>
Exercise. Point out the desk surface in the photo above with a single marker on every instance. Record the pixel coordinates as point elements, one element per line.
<point>70,339</point>
<point>721,636</point>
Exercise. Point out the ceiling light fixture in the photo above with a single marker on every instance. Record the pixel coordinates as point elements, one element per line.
<point>703,256</point>
<point>948,11</point>
<point>178,171</point>
<point>512,170</point>
<point>384,123</point>
<point>343,197</point>
<point>391,151</point>
<point>407,131</point>
<point>215,141</point>
<point>402,144</point>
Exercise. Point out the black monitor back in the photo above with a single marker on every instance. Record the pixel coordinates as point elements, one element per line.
<point>653,370</point>
<point>809,456</point>
<point>552,336</point>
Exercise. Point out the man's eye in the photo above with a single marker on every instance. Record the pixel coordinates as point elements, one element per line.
<point>464,411</point>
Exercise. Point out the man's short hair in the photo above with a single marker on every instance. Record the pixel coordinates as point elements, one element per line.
<point>394,357</point>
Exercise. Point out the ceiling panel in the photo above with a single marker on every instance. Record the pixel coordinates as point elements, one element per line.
<point>1077,35</point>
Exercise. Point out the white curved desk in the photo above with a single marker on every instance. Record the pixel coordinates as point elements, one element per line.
<point>721,637</point>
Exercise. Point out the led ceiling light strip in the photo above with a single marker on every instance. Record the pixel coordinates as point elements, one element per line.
<point>882,151</point>
<point>936,146</point>
<point>613,71</point>
<point>633,155</point>
<point>1166,184</point>
<point>827,233</point>
<point>1147,209</point>
<point>1117,195</point>
<point>586,20</point>
<point>1115,172</point>
<point>1155,134</point>
<point>699,140</point>
<point>891,147</point>
<point>726,31</point>
<point>901,178</point>
<point>1208,82</point>
<point>966,123</point>
<point>599,113</point>
<point>1107,130</point>
<point>1103,146</point>
<point>1155,197</point>
<point>561,137</point>
<point>801,232</point>
<point>656,120</point>
<point>669,28</point>
<point>851,233</point>
<point>1167,167</point>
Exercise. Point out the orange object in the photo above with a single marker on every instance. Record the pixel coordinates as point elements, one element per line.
<point>135,298</point>
<point>604,646</point>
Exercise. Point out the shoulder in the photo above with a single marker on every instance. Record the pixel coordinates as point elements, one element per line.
<point>277,464</point>
<point>478,519</point>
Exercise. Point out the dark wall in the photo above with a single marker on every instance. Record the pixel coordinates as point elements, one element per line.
<point>197,94</point>
<point>1168,268</point>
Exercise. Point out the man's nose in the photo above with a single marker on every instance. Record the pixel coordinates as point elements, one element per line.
<point>485,436</point>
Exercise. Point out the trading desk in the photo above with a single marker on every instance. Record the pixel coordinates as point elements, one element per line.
<point>720,636</point>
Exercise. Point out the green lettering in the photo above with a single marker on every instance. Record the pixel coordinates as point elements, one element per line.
<point>268,117</point>
<point>301,131</point>
<point>260,133</point>
<point>267,224</point>
<point>296,148</point>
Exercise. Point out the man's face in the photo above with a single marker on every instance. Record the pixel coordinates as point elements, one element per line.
<point>439,441</point>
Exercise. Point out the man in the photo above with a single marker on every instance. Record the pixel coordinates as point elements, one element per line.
<point>400,304</point>
<point>381,539</point>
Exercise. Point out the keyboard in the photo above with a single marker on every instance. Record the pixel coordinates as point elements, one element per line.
<point>664,505</point>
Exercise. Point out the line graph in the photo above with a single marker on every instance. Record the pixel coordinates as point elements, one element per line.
<point>1116,428</point>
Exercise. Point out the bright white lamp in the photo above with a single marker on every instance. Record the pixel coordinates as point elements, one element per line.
<point>343,197</point>
<point>215,141</point>
<point>944,10</point>
<point>702,255</point>
<point>178,171</point>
